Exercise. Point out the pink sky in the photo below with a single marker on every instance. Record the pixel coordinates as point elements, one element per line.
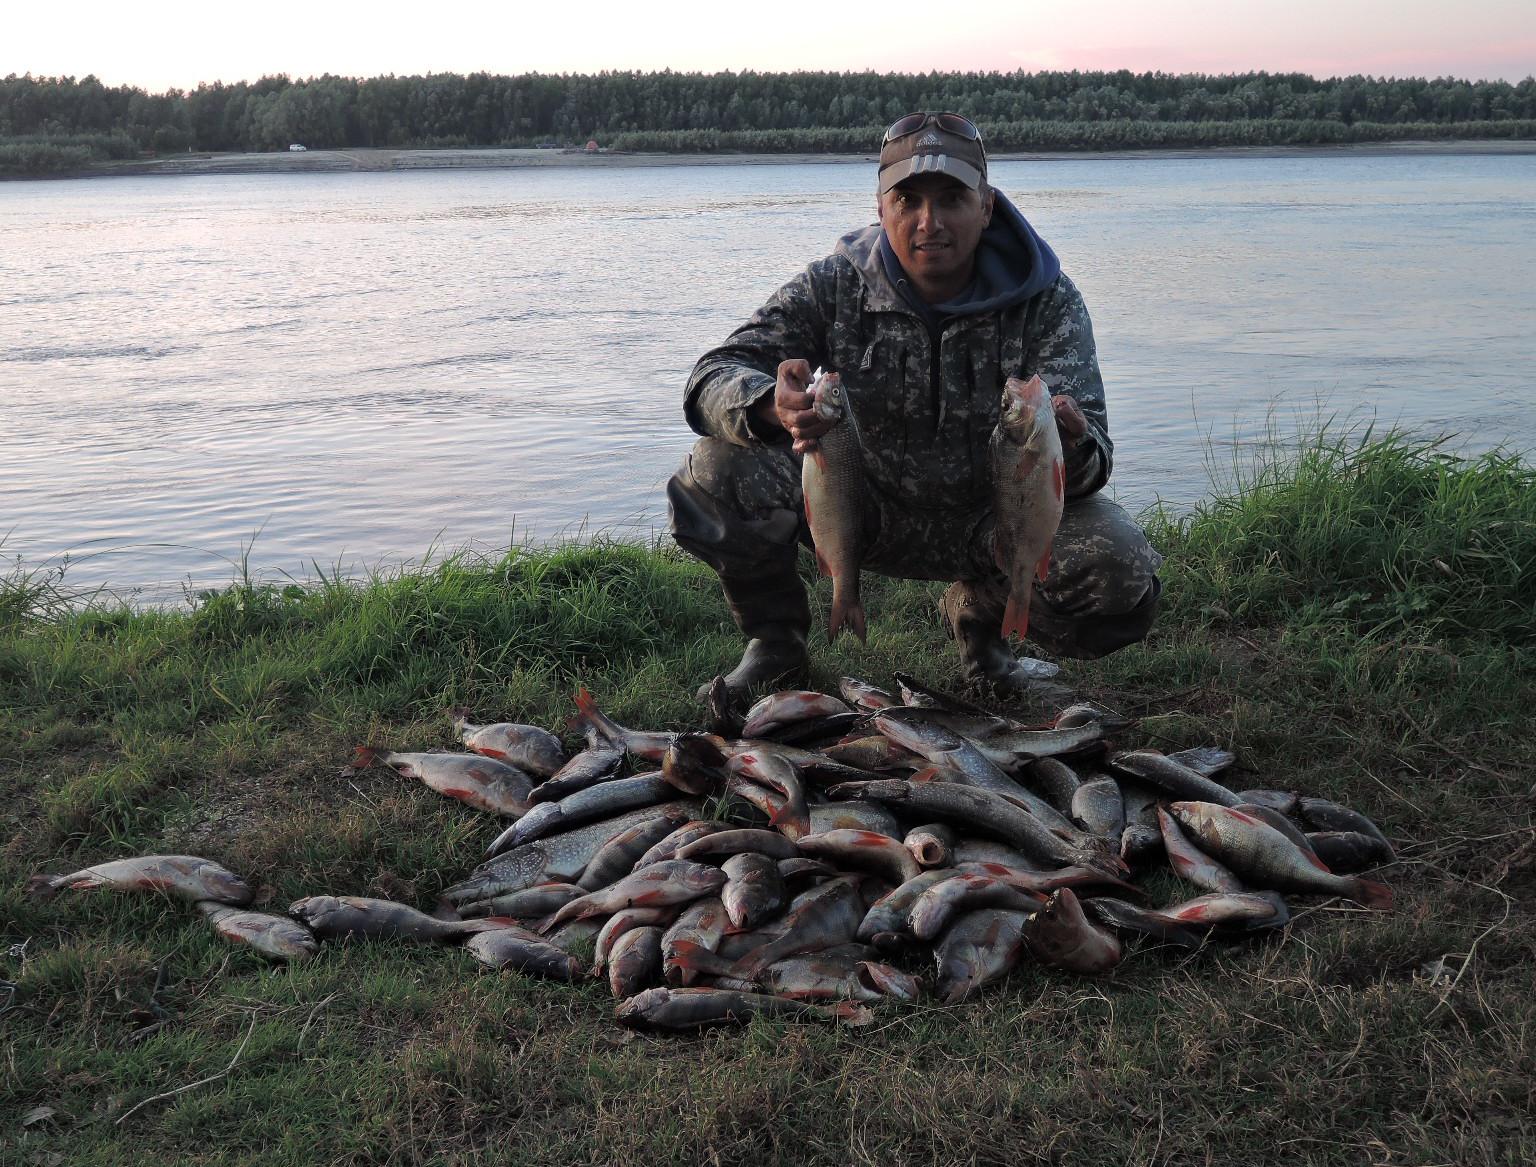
<point>161,44</point>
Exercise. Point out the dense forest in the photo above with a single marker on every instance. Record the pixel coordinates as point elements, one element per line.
<point>60,123</point>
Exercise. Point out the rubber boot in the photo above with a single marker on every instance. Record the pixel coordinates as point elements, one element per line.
<point>774,615</point>
<point>973,614</point>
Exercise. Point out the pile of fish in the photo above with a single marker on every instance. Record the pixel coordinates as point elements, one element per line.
<point>822,853</point>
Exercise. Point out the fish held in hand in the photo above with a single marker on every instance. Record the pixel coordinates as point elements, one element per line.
<point>832,483</point>
<point>477,780</point>
<point>186,877</point>
<point>1029,488</point>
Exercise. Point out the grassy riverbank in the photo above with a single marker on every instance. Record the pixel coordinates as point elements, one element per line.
<point>1356,622</point>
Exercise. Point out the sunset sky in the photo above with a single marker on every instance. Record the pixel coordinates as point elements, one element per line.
<point>162,44</point>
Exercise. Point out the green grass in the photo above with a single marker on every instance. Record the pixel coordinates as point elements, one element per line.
<point>1308,624</point>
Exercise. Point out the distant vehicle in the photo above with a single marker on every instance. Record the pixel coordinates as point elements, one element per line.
<point>296,147</point>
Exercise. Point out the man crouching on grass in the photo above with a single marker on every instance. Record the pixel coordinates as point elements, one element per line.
<point>924,315</point>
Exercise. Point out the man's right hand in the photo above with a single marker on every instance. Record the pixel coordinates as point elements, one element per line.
<point>790,406</point>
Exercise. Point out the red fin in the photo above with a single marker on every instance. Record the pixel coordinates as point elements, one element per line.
<point>856,621</point>
<point>363,757</point>
<point>1016,618</point>
<point>1043,568</point>
<point>928,774</point>
<point>1372,894</point>
<point>822,566</point>
<point>1059,481</point>
<point>584,701</point>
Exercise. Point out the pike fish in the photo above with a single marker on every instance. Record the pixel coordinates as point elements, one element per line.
<point>276,937</point>
<point>525,746</point>
<point>1029,486</point>
<point>562,856</point>
<point>186,877</point>
<point>832,482</point>
<point>478,780</point>
<point>595,802</point>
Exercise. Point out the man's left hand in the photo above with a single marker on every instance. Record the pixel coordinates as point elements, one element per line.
<point>1070,421</point>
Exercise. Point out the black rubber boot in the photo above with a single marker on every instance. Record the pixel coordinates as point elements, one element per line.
<point>974,615</point>
<point>774,615</point>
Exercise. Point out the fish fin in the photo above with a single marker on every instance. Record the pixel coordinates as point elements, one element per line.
<point>1016,617</point>
<point>1372,894</point>
<point>692,956</point>
<point>364,756</point>
<point>822,566</point>
<point>927,774</point>
<point>856,619</point>
<point>1043,568</point>
<point>1059,480</point>
<point>851,1014</point>
<point>42,887</point>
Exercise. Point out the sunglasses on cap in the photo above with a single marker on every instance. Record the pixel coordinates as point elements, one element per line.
<point>951,123</point>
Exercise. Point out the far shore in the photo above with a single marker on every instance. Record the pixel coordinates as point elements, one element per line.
<point>494,158</point>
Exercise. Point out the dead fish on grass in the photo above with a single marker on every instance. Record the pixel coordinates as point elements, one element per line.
<point>186,877</point>
<point>477,780</point>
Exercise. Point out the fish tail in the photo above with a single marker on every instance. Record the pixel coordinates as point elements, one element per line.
<point>1043,568</point>
<point>1016,617</point>
<point>694,957</point>
<point>851,1014</point>
<point>1372,894</point>
<point>43,887</point>
<point>365,756</point>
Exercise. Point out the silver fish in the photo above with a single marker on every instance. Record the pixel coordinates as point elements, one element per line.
<point>186,877</point>
<point>1028,491</point>
<point>832,484</point>
<point>277,937</point>
<point>477,780</point>
<point>525,746</point>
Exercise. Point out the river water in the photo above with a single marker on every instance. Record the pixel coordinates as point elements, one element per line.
<point>337,373</point>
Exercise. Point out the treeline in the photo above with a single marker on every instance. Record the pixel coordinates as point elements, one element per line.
<point>757,111</point>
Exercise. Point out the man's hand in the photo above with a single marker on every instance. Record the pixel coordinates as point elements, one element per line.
<point>790,406</point>
<point>1070,422</point>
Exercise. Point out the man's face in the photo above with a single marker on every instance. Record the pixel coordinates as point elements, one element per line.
<point>934,224</point>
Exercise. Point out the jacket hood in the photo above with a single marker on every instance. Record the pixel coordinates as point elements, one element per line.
<point>1013,263</point>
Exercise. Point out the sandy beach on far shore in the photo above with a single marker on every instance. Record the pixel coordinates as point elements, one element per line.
<point>493,158</point>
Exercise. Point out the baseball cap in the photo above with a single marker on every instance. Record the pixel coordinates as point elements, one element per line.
<point>932,143</point>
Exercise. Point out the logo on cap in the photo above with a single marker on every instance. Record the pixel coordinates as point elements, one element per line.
<point>930,139</point>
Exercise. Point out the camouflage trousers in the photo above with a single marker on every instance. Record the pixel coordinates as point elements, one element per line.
<point>740,510</point>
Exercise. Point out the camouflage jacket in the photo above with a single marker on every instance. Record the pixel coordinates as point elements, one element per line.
<point>926,405</point>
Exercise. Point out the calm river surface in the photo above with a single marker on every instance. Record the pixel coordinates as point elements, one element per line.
<point>339,372</point>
